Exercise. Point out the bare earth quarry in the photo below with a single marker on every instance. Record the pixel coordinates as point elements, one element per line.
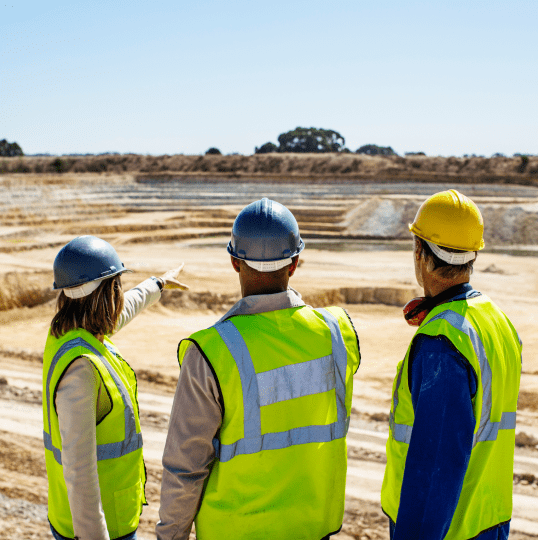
<point>358,255</point>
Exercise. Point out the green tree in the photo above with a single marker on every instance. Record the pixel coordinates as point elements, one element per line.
<point>266,148</point>
<point>311,140</point>
<point>10,149</point>
<point>375,150</point>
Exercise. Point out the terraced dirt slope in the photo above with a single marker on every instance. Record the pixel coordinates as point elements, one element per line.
<point>357,256</point>
<point>49,210</point>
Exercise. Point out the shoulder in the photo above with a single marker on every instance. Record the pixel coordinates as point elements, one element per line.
<point>436,358</point>
<point>435,348</point>
<point>342,316</point>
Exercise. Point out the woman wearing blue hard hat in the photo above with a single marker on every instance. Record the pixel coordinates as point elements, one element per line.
<point>93,443</point>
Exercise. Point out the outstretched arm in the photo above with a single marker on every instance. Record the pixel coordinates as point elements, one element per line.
<point>147,293</point>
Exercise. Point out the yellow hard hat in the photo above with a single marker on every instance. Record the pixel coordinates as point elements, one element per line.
<point>450,219</point>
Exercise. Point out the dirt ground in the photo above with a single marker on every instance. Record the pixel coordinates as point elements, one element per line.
<point>370,282</point>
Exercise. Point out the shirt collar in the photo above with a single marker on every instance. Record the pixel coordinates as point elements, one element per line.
<point>460,292</point>
<point>261,303</point>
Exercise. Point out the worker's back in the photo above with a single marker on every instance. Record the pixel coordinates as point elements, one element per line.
<point>286,379</point>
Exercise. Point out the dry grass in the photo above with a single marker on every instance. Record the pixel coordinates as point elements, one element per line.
<point>285,166</point>
<point>25,290</point>
<point>527,400</point>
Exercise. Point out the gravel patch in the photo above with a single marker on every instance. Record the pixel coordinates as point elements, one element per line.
<point>22,509</point>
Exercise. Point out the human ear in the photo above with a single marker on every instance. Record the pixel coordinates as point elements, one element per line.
<point>417,252</point>
<point>293,266</point>
<point>236,264</point>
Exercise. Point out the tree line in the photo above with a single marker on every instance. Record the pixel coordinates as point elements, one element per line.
<point>298,140</point>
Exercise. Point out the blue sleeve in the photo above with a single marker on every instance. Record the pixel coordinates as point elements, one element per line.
<point>442,384</point>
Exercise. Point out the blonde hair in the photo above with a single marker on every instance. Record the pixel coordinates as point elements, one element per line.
<point>98,313</point>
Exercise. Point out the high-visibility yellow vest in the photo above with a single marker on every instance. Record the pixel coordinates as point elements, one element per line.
<point>120,464</point>
<point>286,378</point>
<point>486,338</point>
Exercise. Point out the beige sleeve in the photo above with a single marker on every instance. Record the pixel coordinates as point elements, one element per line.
<point>188,454</point>
<point>76,401</point>
<point>136,300</point>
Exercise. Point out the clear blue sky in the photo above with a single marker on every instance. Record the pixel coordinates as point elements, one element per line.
<point>170,76</point>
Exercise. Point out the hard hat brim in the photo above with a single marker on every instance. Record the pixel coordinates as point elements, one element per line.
<point>231,251</point>
<point>122,271</point>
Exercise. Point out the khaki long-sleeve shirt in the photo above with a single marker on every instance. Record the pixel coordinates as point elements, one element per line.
<point>194,421</point>
<point>81,401</point>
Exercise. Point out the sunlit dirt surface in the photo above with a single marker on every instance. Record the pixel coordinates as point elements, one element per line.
<point>370,281</point>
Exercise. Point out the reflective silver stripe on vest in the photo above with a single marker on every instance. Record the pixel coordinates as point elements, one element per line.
<point>401,432</point>
<point>296,380</point>
<point>249,383</point>
<point>281,384</point>
<point>340,360</point>
<point>132,440</point>
<point>487,430</point>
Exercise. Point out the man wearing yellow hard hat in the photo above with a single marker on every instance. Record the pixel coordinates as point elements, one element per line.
<point>450,451</point>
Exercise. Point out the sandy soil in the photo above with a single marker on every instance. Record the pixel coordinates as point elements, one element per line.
<point>371,284</point>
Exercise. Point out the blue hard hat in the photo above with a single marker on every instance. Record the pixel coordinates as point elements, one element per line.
<point>265,230</point>
<point>86,258</point>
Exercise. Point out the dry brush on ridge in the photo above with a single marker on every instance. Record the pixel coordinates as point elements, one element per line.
<point>517,170</point>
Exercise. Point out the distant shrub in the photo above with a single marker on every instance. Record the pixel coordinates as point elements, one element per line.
<point>59,165</point>
<point>375,150</point>
<point>523,164</point>
<point>266,148</point>
<point>415,154</point>
<point>214,151</point>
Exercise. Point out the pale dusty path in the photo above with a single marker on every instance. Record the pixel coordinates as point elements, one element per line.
<point>364,476</point>
<point>150,341</point>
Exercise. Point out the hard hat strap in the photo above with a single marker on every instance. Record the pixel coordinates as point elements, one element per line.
<point>451,258</point>
<point>268,266</point>
<point>82,290</point>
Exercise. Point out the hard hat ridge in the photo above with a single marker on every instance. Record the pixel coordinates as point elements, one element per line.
<point>265,231</point>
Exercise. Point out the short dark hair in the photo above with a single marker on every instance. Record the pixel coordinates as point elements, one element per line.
<point>442,268</point>
<point>98,313</point>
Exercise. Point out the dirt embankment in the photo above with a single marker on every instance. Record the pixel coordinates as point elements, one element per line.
<point>517,170</point>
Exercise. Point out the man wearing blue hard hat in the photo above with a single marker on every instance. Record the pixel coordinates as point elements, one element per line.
<point>256,445</point>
